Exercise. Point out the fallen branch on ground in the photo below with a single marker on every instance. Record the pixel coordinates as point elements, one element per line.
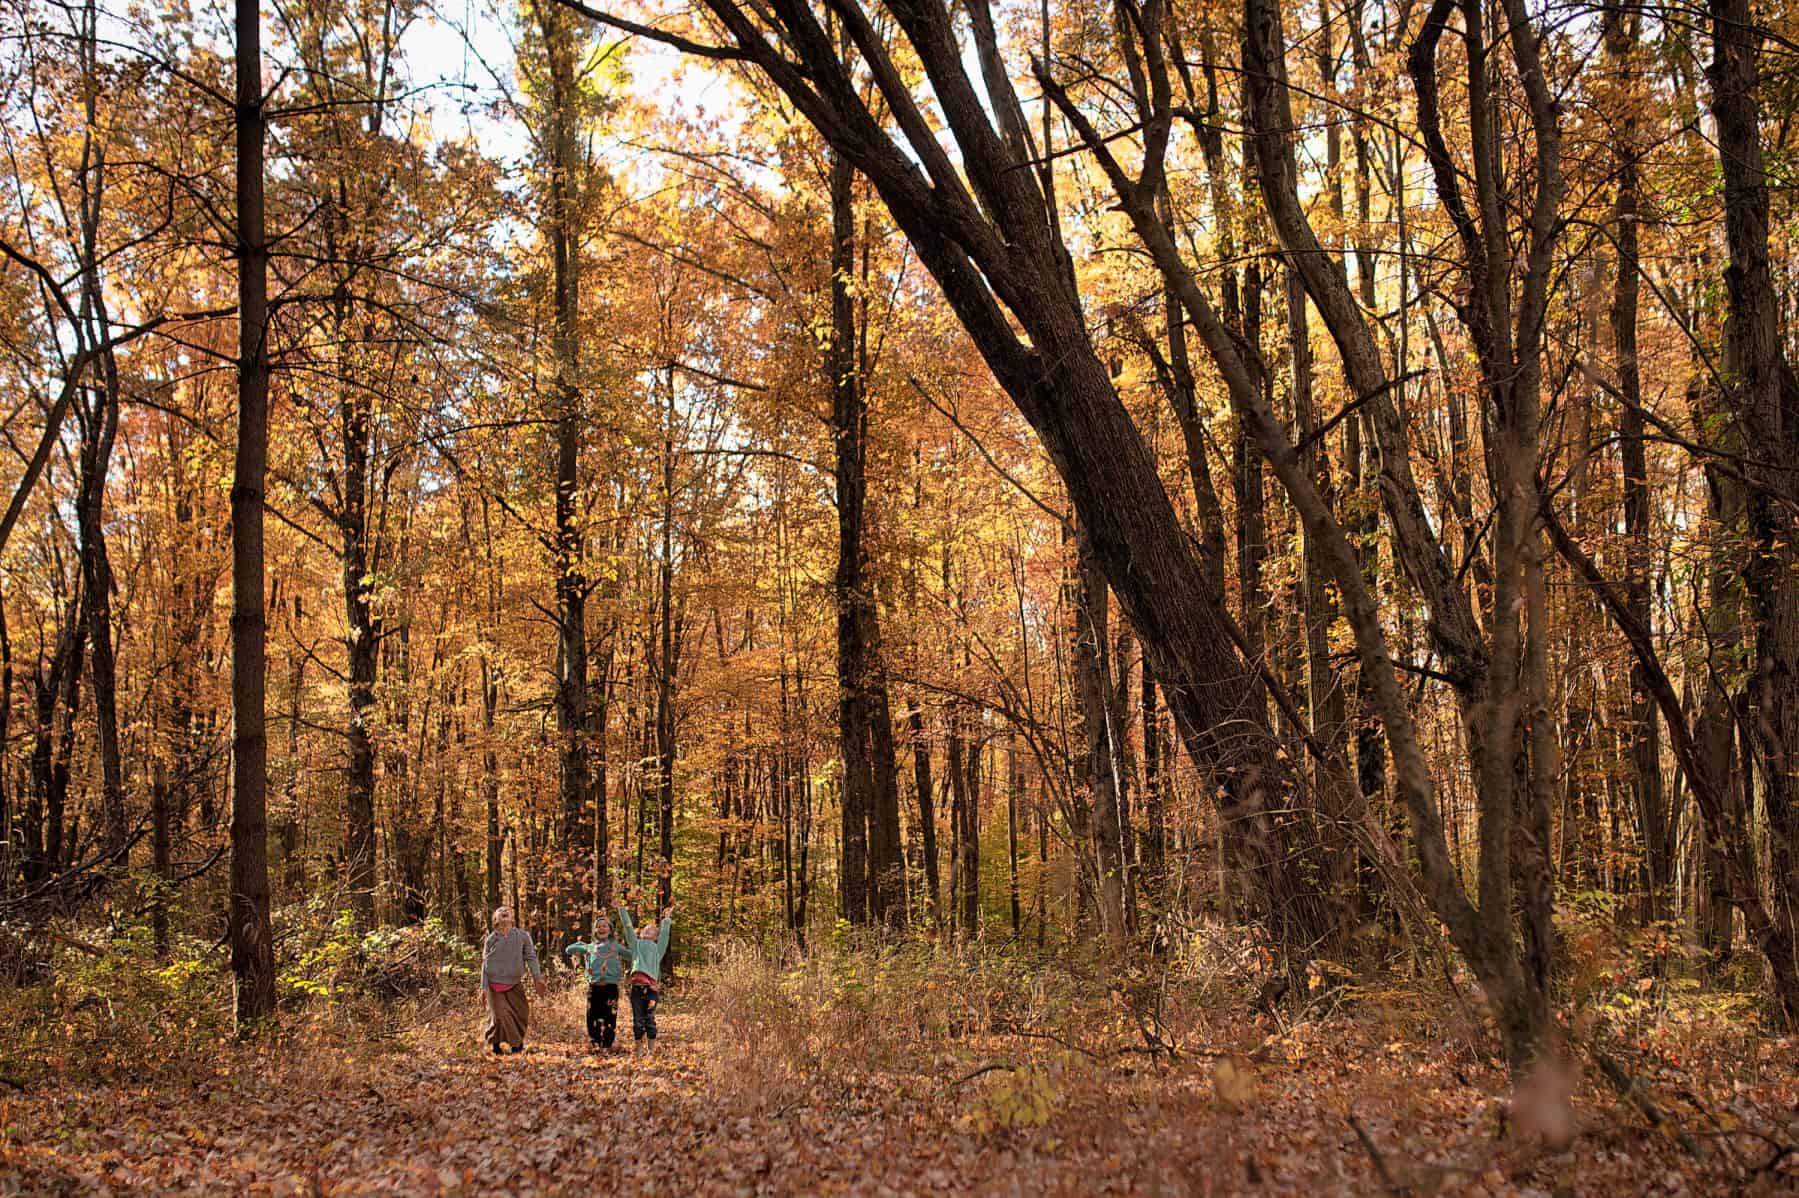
<point>1374,1154</point>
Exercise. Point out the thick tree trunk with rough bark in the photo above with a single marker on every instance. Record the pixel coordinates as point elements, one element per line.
<point>247,903</point>
<point>873,870</point>
<point>1761,396</point>
<point>573,702</point>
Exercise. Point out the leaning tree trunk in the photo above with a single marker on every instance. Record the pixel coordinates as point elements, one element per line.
<point>985,232</point>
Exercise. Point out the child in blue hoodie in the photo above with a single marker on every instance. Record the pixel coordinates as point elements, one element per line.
<point>606,959</point>
<point>648,945</point>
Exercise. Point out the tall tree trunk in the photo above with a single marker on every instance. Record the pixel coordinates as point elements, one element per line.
<point>927,805</point>
<point>1619,30</point>
<point>1117,675</point>
<point>56,689</point>
<point>667,658</point>
<point>573,703</point>
<point>873,871</point>
<point>1042,865</point>
<point>601,712</point>
<point>1252,520</point>
<point>1091,618</point>
<point>956,781</point>
<point>848,436</point>
<point>9,798</point>
<point>96,568</point>
<point>1014,795</point>
<point>1762,397</point>
<point>99,418</point>
<point>66,715</point>
<point>159,856</point>
<point>1361,510</point>
<point>1155,837</point>
<point>969,884</point>
<point>490,704</point>
<point>288,829</point>
<point>247,913</point>
<point>362,645</point>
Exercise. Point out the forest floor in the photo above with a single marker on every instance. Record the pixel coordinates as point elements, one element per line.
<point>416,1107</point>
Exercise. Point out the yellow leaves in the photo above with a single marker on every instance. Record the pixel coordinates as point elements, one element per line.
<point>1018,1098</point>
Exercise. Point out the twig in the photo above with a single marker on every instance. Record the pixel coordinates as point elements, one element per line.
<point>968,1077</point>
<point>1091,1054</point>
<point>1723,1133</point>
<point>1380,1162</point>
<point>71,942</point>
<point>1260,1055</point>
<point>1632,1091</point>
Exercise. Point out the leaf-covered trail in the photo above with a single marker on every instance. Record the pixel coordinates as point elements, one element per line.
<point>426,1112</point>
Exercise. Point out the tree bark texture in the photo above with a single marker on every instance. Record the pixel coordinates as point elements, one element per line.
<point>247,912</point>
<point>873,868</point>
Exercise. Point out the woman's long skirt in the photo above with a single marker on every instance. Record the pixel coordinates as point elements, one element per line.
<point>508,1015</point>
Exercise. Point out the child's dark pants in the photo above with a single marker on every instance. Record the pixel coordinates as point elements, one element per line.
<point>643,1011</point>
<point>602,1013</point>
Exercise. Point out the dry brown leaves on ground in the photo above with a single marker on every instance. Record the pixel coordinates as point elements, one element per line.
<point>1254,1112</point>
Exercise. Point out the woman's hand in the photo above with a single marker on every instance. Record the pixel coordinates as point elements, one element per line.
<point>543,987</point>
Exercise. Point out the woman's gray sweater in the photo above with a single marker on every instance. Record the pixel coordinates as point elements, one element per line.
<point>505,955</point>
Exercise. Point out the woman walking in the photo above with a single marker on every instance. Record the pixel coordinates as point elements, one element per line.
<point>648,946</point>
<point>504,958</point>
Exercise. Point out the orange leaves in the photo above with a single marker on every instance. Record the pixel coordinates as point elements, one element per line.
<point>426,1113</point>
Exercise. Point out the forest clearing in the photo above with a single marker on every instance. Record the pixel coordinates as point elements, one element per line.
<point>787,596</point>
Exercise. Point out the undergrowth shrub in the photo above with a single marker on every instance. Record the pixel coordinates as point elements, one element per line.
<point>1649,988</point>
<point>326,957</point>
<point>854,1008</point>
<point>111,1009</point>
<point>21,962</point>
<point>100,1004</point>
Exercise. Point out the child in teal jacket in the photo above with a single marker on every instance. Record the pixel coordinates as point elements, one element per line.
<point>648,946</point>
<point>606,960</point>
